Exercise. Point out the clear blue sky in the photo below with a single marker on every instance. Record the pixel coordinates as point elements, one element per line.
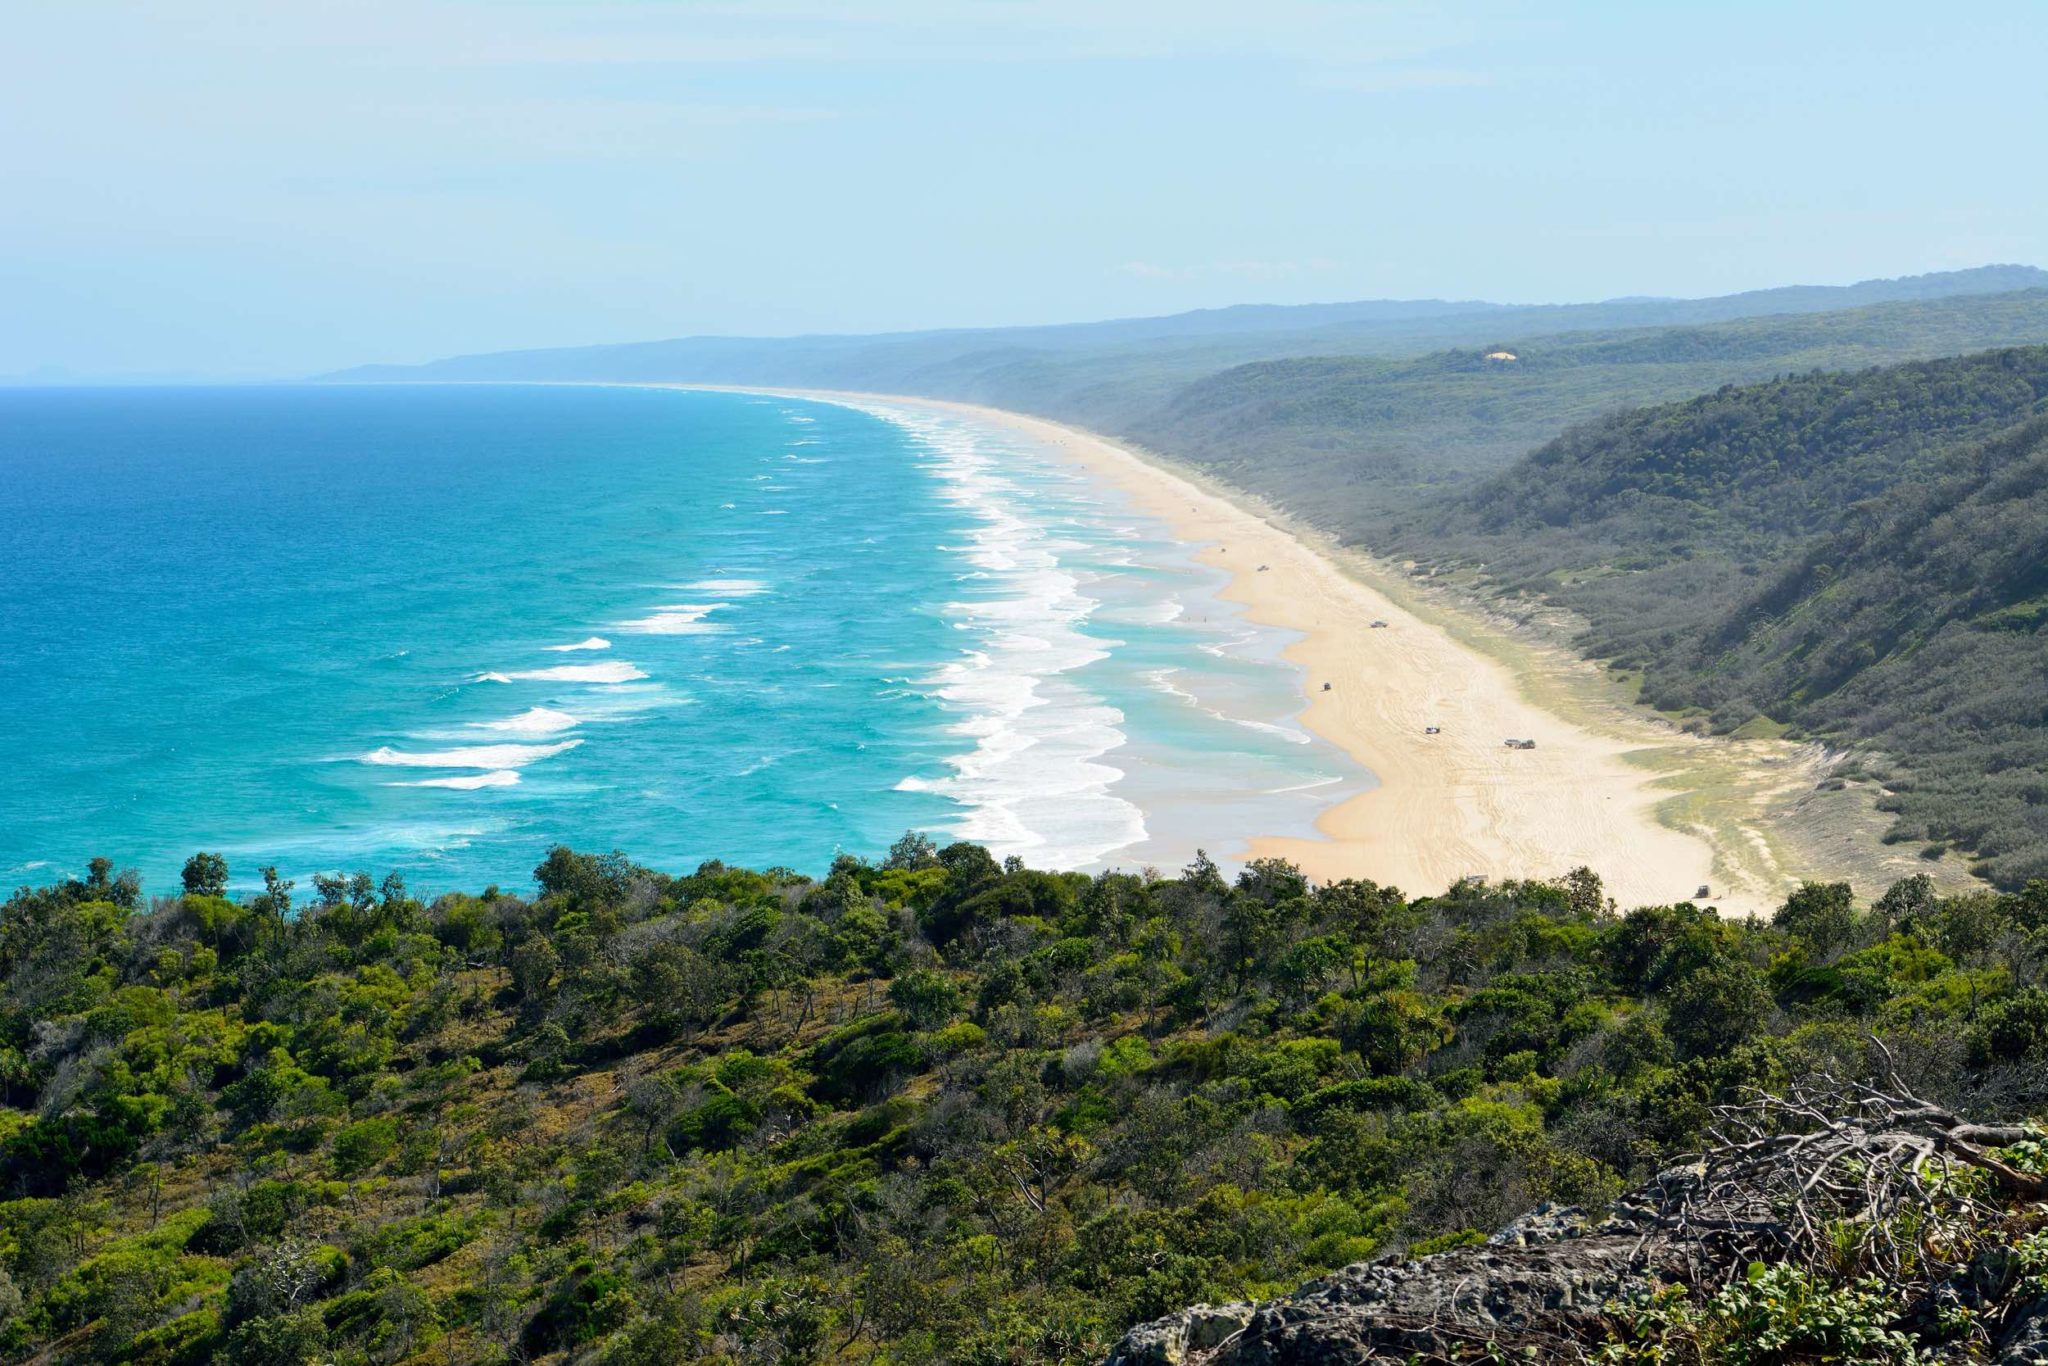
<point>270,188</point>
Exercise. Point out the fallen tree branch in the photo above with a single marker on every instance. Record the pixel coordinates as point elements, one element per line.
<point>1828,1167</point>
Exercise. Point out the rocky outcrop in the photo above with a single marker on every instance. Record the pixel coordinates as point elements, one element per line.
<point>1543,1282</point>
<point>1791,1175</point>
<point>1538,1290</point>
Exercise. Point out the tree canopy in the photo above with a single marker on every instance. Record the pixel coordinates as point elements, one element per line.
<point>934,1109</point>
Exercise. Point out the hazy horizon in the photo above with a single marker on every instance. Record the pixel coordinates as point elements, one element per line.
<point>58,375</point>
<point>248,191</point>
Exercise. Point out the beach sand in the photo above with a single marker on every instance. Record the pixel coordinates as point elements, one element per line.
<point>1448,805</point>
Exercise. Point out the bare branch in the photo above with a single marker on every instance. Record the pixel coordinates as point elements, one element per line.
<point>1797,1173</point>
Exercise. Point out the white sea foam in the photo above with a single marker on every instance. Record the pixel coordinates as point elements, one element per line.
<point>468,756</point>
<point>1162,679</point>
<point>1287,733</point>
<point>589,643</point>
<point>1031,779</point>
<point>628,700</point>
<point>671,625</point>
<point>618,672</point>
<point>1302,787</point>
<point>676,619</point>
<point>732,588</point>
<point>533,721</point>
<point>1223,649</point>
<point>501,777</point>
<point>1157,613</point>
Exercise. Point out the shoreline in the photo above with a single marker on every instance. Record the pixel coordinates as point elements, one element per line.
<point>1447,805</point>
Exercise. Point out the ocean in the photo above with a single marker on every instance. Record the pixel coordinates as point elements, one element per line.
<point>438,629</point>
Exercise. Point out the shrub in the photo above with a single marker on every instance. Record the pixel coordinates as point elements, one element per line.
<point>926,999</point>
<point>362,1145</point>
<point>1774,1316</point>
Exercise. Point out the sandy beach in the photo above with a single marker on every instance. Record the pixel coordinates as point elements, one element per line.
<point>1449,804</point>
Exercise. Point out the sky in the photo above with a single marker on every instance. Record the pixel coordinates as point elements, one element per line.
<point>270,189</point>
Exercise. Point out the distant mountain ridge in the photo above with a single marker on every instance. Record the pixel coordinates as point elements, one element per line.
<point>1184,344</point>
<point>1343,412</point>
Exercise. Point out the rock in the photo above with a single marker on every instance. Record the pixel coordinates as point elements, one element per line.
<point>1547,1292</point>
<point>2025,1340</point>
<point>1542,1282</point>
<point>1547,1223</point>
<point>1539,1290</point>
<point>1171,1340</point>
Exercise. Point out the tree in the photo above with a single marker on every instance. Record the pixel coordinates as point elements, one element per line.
<point>273,905</point>
<point>913,851</point>
<point>275,900</point>
<point>103,884</point>
<point>362,1145</point>
<point>1902,901</point>
<point>1716,1008</point>
<point>587,881</point>
<point>1248,926</point>
<point>1274,881</point>
<point>1585,894</point>
<point>1364,911</point>
<point>679,985</point>
<point>1202,875</point>
<point>294,1338</point>
<point>925,998</point>
<point>967,865</point>
<point>885,1179</point>
<point>1823,914</point>
<point>205,875</point>
<point>654,1101</point>
<point>535,965</point>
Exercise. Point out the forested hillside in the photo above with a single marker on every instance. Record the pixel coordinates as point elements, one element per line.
<point>939,1109</point>
<point>1353,445</point>
<point>1863,556</point>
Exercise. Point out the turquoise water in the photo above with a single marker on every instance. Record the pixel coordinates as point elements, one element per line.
<point>438,629</point>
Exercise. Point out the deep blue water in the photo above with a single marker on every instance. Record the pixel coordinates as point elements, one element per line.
<point>439,629</point>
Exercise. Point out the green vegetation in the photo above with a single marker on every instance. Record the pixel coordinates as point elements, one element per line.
<point>1773,1314</point>
<point>935,1109</point>
<point>1354,445</point>
<point>1856,556</point>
